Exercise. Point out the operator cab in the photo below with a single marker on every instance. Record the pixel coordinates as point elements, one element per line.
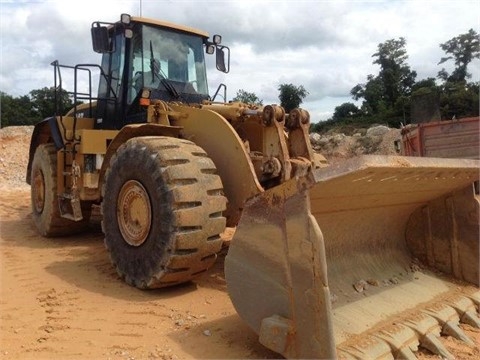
<point>146,59</point>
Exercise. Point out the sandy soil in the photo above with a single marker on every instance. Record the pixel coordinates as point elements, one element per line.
<point>61,298</point>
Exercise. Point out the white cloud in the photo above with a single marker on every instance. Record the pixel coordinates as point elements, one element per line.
<point>326,46</point>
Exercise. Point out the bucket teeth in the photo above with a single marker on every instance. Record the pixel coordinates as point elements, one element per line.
<point>405,354</point>
<point>466,309</point>
<point>433,344</point>
<point>471,318</point>
<point>452,329</point>
<point>421,329</point>
<point>476,299</point>
<point>449,319</point>
<point>428,330</point>
<point>401,339</point>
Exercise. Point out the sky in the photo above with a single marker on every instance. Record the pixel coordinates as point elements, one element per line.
<point>325,46</point>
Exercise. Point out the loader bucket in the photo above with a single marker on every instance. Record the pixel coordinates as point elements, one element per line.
<point>360,260</point>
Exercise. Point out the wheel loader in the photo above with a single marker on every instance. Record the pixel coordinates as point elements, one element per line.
<point>367,259</point>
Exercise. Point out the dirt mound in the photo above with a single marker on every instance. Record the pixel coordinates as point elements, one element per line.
<point>14,149</point>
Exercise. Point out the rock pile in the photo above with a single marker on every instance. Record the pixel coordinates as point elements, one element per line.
<point>15,145</point>
<point>377,140</point>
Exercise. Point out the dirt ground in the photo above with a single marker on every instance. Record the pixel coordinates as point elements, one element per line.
<point>61,298</point>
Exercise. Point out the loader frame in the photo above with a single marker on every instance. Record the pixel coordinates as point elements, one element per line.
<point>326,261</point>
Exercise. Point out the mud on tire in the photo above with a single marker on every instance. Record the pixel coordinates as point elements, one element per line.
<point>162,211</point>
<point>43,191</point>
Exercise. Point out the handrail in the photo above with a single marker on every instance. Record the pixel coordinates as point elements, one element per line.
<point>222,85</point>
<point>76,93</point>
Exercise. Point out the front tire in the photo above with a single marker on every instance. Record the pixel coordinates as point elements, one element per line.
<point>43,191</point>
<point>162,211</point>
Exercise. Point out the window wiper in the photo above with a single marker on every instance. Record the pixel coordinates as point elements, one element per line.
<point>171,89</point>
<point>163,78</point>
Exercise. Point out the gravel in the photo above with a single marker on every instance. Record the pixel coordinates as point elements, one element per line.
<point>14,149</point>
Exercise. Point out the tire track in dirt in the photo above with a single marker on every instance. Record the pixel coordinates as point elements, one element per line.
<point>46,311</point>
<point>62,299</point>
<point>20,278</point>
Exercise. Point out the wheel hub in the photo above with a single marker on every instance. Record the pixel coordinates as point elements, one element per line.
<point>38,190</point>
<point>134,214</point>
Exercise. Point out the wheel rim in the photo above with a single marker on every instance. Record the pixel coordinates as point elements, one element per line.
<point>134,214</point>
<point>38,189</point>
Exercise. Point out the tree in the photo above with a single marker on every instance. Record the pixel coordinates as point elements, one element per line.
<point>428,83</point>
<point>460,100</point>
<point>291,96</point>
<point>373,94</point>
<point>32,108</point>
<point>462,49</point>
<point>386,95</point>
<point>459,97</point>
<point>247,97</point>
<point>346,111</point>
<point>16,111</point>
<point>395,74</point>
<point>43,101</point>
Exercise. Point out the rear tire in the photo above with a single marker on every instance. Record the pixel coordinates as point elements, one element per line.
<point>162,211</point>
<point>43,191</point>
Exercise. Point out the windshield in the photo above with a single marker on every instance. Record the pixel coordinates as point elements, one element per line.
<point>161,57</point>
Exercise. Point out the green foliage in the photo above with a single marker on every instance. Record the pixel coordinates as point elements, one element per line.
<point>424,101</point>
<point>386,94</point>
<point>291,96</point>
<point>347,126</point>
<point>458,97</point>
<point>345,111</point>
<point>425,84</point>
<point>393,97</point>
<point>395,75</point>
<point>29,110</point>
<point>44,102</point>
<point>17,111</point>
<point>372,92</point>
<point>460,100</point>
<point>462,49</point>
<point>247,97</point>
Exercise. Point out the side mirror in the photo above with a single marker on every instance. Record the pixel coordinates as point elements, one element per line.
<point>100,40</point>
<point>222,65</point>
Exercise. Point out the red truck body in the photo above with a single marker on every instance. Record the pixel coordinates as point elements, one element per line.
<point>445,139</point>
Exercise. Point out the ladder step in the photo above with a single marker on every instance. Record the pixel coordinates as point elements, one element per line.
<point>70,206</point>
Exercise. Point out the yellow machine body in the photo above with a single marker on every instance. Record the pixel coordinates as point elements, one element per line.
<point>360,260</point>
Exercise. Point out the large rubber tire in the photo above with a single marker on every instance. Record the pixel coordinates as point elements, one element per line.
<point>43,191</point>
<point>162,211</point>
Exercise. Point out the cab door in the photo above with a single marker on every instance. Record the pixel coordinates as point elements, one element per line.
<point>111,93</point>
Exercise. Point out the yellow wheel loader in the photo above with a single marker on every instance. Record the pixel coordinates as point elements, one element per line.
<point>369,259</point>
